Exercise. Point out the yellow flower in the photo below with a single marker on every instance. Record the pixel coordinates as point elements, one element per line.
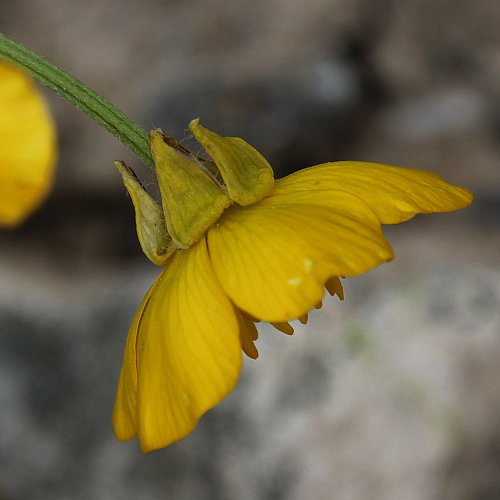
<point>246,248</point>
<point>27,147</point>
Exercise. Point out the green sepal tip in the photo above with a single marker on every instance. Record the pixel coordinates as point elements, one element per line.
<point>152,232</point>
<point>192,198</point>
<point>247,175</point>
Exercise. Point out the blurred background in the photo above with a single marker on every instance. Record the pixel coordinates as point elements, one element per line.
<point>392,394</point>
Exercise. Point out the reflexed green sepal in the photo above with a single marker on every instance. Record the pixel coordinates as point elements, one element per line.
<point>246,173</point>
<point>192,199</point>
<point>155,241</point>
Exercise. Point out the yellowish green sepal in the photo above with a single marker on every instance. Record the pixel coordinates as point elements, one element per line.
<point>192,199</point>
<point>155,241</point>
<point>246,173</point>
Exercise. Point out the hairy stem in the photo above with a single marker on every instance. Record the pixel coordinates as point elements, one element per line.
<point>76,92</point>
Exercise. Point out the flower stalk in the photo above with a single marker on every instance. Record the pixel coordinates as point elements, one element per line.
<point>77,93</point>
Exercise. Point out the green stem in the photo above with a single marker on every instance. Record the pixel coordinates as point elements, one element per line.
<point>79,94</point>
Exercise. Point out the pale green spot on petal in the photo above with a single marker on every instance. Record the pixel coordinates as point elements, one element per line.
<point>296,281</point>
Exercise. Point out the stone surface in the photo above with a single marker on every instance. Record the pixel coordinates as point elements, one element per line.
<point>392,394</point>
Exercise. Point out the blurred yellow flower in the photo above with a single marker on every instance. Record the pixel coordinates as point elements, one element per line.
<point>27,147</point>
<point>260,250</point>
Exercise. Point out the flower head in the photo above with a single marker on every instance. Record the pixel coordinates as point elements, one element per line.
<point>27,147</point>
<point>244,247</point>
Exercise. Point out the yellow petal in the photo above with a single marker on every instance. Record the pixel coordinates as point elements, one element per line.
<point>246,173</point>
<point>27,147</point>
<point>274,257</point>
<point>189,351</point>
<point>395,194</point>
<point>124,412</point>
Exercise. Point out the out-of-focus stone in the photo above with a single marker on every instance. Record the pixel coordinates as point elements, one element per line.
<point>391,394</point>
<point>378,396</point>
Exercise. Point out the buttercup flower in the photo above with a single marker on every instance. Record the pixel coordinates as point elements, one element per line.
<point>27,147</point>
<point>239,247</point>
